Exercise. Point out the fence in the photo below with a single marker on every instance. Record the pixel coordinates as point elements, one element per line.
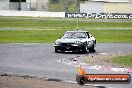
<point>32,13</point>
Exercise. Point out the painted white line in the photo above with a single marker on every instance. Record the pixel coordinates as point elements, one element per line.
<point>70,82</point>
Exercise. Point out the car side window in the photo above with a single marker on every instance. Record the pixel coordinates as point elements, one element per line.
<point>88,34</point>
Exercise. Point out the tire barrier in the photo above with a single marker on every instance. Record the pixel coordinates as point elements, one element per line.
<point>82,78</point>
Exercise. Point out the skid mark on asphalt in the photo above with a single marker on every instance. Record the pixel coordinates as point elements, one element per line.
<point>77,62</point>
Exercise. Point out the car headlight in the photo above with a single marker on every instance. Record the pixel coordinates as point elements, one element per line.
<point>57,43</point>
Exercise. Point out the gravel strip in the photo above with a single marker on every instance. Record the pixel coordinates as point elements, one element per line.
<point>23,82</point>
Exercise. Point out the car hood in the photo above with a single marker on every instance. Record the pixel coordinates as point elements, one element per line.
<point>70,40</point>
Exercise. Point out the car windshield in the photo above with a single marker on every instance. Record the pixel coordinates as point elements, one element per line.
<point>75,35</point>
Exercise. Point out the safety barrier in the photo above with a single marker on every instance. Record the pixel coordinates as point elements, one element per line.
<point>32,13</point>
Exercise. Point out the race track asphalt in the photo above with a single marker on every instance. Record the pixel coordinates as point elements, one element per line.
<point>39,59</point>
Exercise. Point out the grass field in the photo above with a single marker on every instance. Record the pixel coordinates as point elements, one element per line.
<point>59,26</point>
<point>49,36</point>
<point>123,60</point>
<point>63,24</point>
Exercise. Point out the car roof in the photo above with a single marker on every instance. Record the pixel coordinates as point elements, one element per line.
<point>77,31</point>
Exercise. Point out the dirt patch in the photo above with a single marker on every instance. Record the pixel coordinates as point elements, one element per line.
<point>104,59</point>
<point>29,82</point>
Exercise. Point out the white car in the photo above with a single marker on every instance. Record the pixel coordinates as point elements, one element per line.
<point>80,41</point>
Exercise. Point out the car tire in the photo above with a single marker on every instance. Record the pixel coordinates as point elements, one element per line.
<point>92,48</point>
<point>85,49</point>
<point>56,50</point>
<point>81,80</point>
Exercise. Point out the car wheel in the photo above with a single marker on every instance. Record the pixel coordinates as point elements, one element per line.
<point>85,49</point>
<point>81,80</point>
<point>56,50</point>
<point>92,48</point>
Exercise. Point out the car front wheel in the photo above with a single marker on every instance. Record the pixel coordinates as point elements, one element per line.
<point>56,50</point>
<point>92,48</point>
<point>85,49</point>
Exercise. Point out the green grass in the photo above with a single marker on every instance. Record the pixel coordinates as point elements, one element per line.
<point>123,60</point>
<point>43,23</point>
<point>112,35</point>
<point>20,36</point>
<point>59,26</point>
<point>49,36</point>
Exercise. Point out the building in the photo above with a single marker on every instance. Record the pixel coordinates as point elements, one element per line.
<point>24,5</point>
<point>4,4</point>
<point>106,6</point>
